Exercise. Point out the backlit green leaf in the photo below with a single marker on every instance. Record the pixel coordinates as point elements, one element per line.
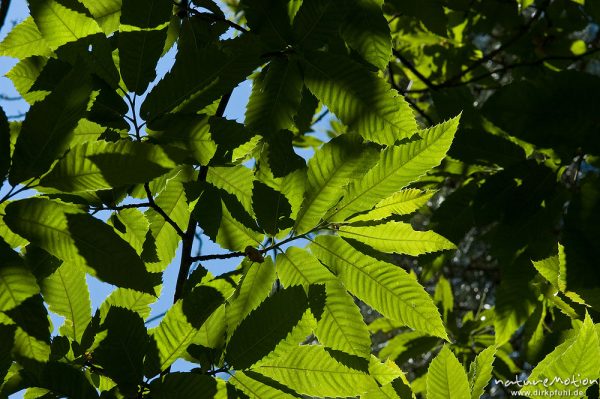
<point>59,24</point>
<point>48,127</point>
<point>260,332</point>
<point>385,287</point>
<point>24,40</point>
<point>446,378</point>
<point>397,237</point>
<point>361,99</point>
<point>310,370</point>
<point>334,165</point>
<point>275,98</point>
<point>73,236</point>
<point>66,293</point>
<point>398,166</point>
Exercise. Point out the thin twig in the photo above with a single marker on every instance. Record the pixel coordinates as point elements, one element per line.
<point>211,16</point>
<point>501,48</point>
<point>161,211</point>
<point>121,207</point>
<point>414,70</point>
<point>408,99</point>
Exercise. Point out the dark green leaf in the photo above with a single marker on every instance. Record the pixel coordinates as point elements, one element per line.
<point>275,97</point>
<point>7,337</point>
<point>271,207</point>
<point>367,31</point>
<point>32,317</point>
<point>186,385</point>
<point>317,21</point>
<point>188,88</point>
<point>139,52</point>
<point>145,13</point>
<point>121,353</point>
<point>4,145</point>
<point>282,158</point>
<point>260,332</point>
<point>270,20</point>
<point>70,235</point>
<point>47,129</point>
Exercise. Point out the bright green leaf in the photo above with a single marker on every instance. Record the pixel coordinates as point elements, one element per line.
<point>446,378</point>
<point>385,287</point>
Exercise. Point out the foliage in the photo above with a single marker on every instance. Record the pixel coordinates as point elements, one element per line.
<point>462,155</point>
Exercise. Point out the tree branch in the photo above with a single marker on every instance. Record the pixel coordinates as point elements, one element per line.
<point>408,99</point>
<point>161,211</point>
<point>210,16</point>
<point>188,237</point>
<point>121,207</point>
<point>411,67</point>
<point>3,11</point>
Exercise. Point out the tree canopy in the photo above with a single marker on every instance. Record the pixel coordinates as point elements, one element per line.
<point>440,240</point>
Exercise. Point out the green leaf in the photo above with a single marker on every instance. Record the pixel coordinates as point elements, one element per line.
<point>66,293</point>
<point>24,74</point>
<point>480,371</point>
<point>259,333</point>
<point>403,202</point>
<point>179,385</point>
<point>189,131</point>
<point>139,52</point>
<point>269,19</point>
<point>31,315</point>
<point>172,201</point>
<point>578,356</point>
<point>24,40</point>
<point>253,288</point>
<point>106,12</point>
<point>299,267</point>
<point>331,168</point>
<point>145,14</point>
<point>235,235</point>
<point>398,166</point>
<point>102,165</point>
<point>259,387</point>
<point>397,237</point>
<point>62,379</point>
<point>7,338</point>
<point>48,127</point>
<point>341,326</point>
<point>271,208</point>
<point>385,287</point>
<point>60,25</point>
<point>444,297</point>
<point>121,353</point>
<point>275,98</point>
<point>30,347</point>
<point>5,150</point>
<point>17,284</point>
<point>237,180</point>
<point>362,100</point>
<point>185,88</point>
<point>317,21</point>
<point>310,370</point>
<point>367,31</point>
<point>125,298</point>
<point>446,378</point>
<point>132,226</point>
<point>180,326</point>
<point>282,158</point>
<point>384,372</point>
<point>73,236</point>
